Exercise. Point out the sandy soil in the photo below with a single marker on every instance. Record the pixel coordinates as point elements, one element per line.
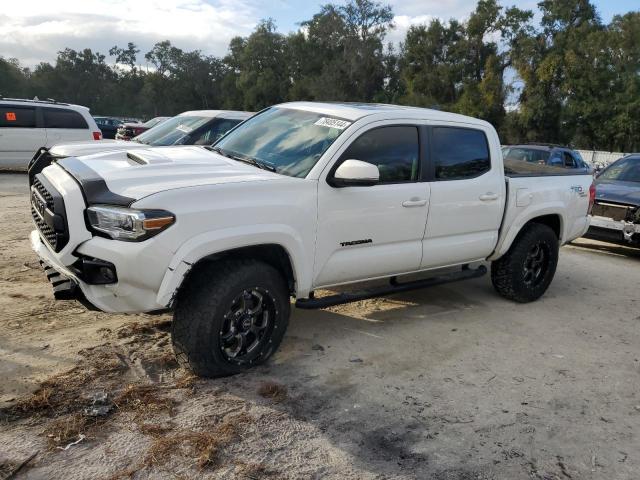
<point>448,383</point>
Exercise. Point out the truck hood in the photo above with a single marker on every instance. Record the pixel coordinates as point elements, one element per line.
<point>618,192</point>
<point>76,149</point>
<point>122,177</point>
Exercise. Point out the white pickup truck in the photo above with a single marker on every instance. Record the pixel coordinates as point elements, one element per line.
<point>302,196</point>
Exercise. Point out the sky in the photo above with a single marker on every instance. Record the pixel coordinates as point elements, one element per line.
<point>35,30</point>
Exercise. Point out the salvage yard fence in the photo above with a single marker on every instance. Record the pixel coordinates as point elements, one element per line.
<point>594,157</point>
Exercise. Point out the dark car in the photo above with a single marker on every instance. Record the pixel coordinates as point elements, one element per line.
<point>616,212</point>
<point>551,155</point>
<point>108,126</point>
<point>129,130</point>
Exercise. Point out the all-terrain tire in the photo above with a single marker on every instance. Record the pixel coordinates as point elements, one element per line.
<point>510,273</point>
<point>202,307</point>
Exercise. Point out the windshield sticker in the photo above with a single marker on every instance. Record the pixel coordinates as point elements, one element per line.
<point>333,123</point>
<point>184,128</point>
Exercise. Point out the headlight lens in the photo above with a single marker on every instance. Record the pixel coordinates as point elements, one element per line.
<point>129,224</point>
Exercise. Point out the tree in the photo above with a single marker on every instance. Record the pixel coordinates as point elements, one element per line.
<point>460,66</point>
<point>577,77</point>
<point>542,61</point>
<point>260,66</point>
<point>125,56</point>
<point>14,80</point>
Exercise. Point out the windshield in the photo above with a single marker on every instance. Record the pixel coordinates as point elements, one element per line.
<point>290,141</point>
<point>530,155</point>
<point>172,131</point>
<point>624,170</point>
<point>153,121</point>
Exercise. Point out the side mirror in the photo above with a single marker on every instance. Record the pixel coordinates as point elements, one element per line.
<point>355,173</point>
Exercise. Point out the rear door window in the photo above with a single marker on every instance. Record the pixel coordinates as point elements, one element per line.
<point>17,117</point>
<point>63,118</point>
<point>459,153</point>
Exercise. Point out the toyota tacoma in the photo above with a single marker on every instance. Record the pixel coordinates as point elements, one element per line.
<point>302,196</point>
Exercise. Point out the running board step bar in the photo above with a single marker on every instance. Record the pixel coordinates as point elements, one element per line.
<point>393,287</point>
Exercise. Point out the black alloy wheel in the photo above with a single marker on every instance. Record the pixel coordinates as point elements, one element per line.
<point>247,325</point>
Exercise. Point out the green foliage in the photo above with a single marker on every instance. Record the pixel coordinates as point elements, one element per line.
<point>570,79</point>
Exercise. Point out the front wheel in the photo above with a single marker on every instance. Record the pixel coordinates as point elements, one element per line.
<point>524,273</point>
<point>230,316</point>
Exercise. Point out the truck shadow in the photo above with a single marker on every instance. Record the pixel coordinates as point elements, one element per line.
<point>359,375</point>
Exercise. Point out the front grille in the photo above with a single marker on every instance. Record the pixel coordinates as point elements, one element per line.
<point>48,212</point>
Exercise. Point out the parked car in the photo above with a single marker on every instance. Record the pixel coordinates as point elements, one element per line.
<point>108,126</point>
<point>616,213</point>
<point>128,130</point>
<point>547,154</point>
<point>300,197</point>
<point>197,127</point>
<point>27,125</point>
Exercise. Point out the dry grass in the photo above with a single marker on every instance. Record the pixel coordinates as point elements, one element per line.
<point>154,429</point>
<point>68,428</point>
<point>136,328</point>
<point>143,328</point>
<point>203,447</point>
<point>273,390</point>
<point>67,392</point>
<point>188,380</point>
<point>144,399</point>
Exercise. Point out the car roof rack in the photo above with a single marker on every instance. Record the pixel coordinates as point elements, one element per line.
<point>48,101</point>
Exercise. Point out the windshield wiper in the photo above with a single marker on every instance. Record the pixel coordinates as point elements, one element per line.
<point>242,158</point>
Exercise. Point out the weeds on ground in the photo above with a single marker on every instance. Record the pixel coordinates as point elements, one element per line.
<point>144,399</point>
<point>273,390</point>
<point>203,448</point>
<point>69,428</point>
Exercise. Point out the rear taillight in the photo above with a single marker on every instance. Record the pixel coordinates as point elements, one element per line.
<point>592,196</point>
<point>97,135</point>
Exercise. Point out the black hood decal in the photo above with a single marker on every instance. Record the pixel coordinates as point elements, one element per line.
<point>94,188</point>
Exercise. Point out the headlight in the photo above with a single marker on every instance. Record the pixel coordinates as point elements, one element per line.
<point>129,224</point>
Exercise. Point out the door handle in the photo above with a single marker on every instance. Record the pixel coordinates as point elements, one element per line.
<point>488,197</point>
<point>414,202</point>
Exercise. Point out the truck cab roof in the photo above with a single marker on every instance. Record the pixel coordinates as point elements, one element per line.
<point>356,111</point>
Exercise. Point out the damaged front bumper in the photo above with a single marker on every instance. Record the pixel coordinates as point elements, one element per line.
<point>617,231</point>
<point>65,288</point>
<point>96,283</point>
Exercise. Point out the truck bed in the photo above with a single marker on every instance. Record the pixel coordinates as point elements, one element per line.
<point>534,192</point>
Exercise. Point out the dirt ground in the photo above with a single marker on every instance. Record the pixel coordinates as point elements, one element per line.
<point>447,383</point>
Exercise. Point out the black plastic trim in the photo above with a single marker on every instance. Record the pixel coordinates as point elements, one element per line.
<point>88,270</point>
<point>58,218</point>
<point>94,187</point>
<point>40,160</point>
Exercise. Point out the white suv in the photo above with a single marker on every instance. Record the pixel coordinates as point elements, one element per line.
<point>27,125</point>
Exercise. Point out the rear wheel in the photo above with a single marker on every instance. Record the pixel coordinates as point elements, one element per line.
<point>524,273</point>
<point>230,316</point>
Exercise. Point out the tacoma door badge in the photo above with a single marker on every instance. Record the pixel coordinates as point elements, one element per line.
<point>355,242</point>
